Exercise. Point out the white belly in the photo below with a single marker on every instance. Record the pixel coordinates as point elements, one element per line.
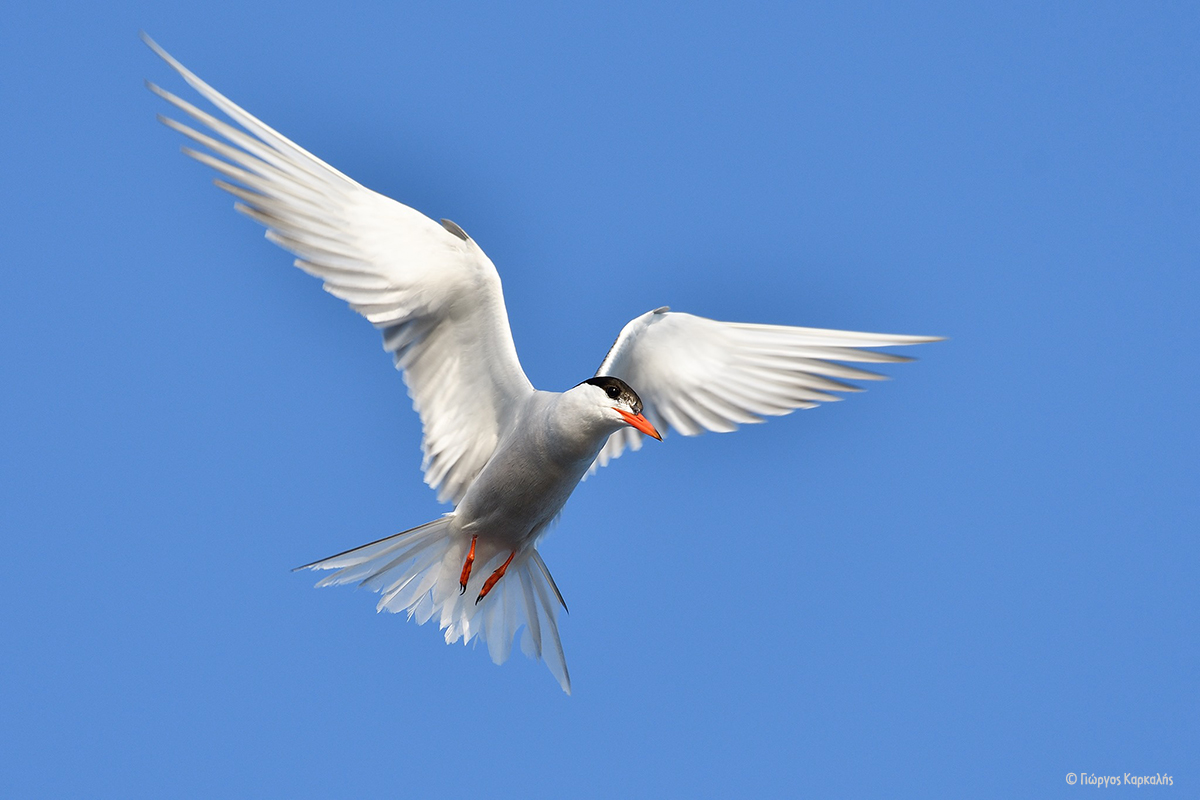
<point>527,481</point>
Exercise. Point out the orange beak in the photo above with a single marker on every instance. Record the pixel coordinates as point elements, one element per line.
<point>639,422</point>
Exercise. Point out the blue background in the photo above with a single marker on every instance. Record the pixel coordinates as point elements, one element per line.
<point>968,581</point>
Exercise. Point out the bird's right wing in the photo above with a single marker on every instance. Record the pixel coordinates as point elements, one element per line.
<point>695,374</point>
<point>429,288</point>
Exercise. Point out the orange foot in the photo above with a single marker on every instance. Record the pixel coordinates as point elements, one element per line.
<point>495,576</point>
<point>466,573</point>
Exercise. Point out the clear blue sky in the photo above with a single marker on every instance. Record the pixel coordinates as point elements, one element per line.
<point>968,581</point>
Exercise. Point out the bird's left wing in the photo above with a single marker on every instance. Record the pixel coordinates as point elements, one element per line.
<point>695,374</point>
<point>431,291</point>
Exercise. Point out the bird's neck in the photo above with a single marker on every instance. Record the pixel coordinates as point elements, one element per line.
<point>576,433</point>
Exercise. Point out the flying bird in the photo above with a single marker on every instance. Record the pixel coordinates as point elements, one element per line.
<point>506,455</point>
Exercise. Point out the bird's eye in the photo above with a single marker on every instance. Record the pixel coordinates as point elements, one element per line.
<point>613,392</point>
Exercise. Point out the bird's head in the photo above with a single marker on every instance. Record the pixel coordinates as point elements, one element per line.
<point>615,402</point>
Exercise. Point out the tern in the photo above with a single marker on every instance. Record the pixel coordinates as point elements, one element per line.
<point>506,455</point>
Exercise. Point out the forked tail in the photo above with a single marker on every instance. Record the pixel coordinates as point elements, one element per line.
<point>418,571</point>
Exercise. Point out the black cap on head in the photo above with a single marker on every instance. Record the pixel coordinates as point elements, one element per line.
<point>617,389</point>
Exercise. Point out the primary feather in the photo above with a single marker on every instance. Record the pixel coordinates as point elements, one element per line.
<point>434,295</point>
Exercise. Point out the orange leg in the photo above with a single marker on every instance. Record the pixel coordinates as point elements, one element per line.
<point>495,576</point>
<point>466,573</point>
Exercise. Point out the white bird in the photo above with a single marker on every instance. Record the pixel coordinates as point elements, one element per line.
<point>505,454</point>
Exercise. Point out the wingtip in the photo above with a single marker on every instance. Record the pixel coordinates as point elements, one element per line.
<point>902,340</point>
<point>153,45</point>
<point>158,90</point>
<point>165,56</point>
<point>314,565</point>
